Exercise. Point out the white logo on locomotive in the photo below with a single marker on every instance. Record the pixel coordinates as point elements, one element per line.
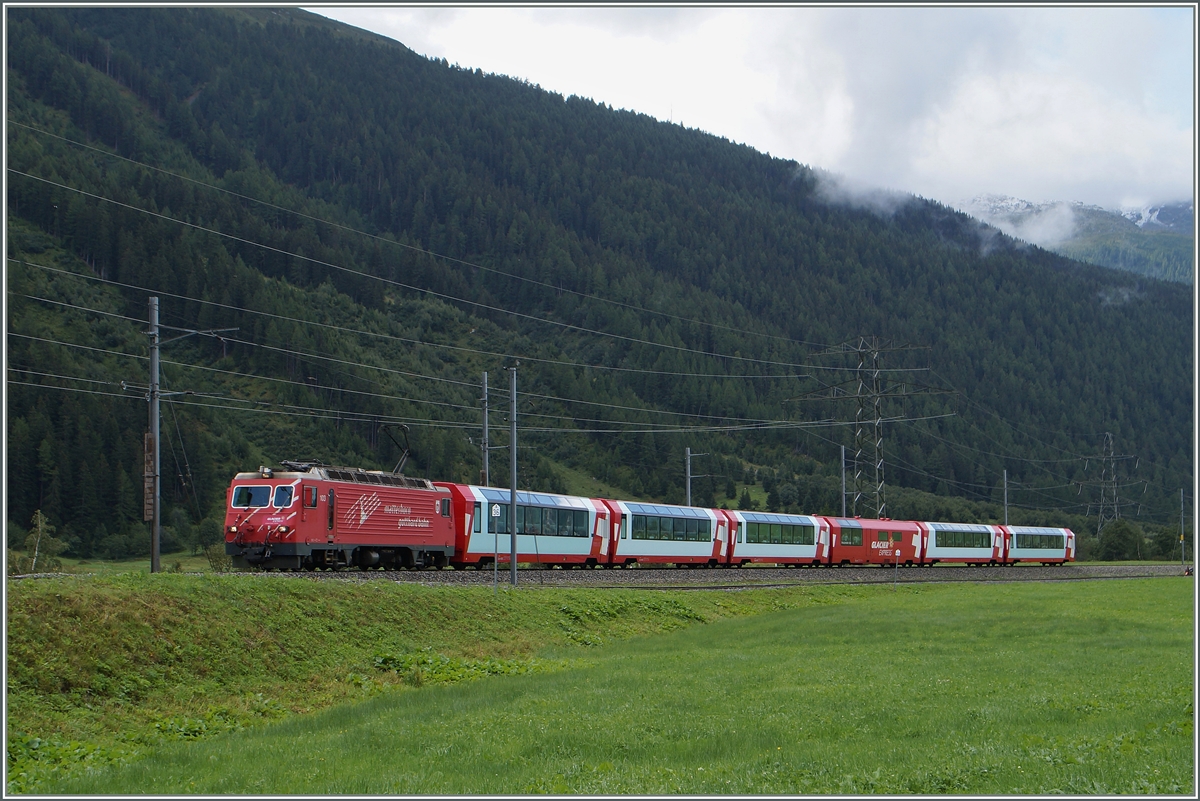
<point>363,508</point>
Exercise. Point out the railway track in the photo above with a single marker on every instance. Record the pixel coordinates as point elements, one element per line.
<point>744,578</point>
<point>664,578</point>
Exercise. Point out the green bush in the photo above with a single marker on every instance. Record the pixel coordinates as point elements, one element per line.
<point>1122,540</point>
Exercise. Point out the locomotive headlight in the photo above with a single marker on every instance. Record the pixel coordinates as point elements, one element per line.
<point>283,529</point>
<point>233,529</point>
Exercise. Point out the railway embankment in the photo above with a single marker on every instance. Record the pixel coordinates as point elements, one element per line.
<point>755,577</point>
<point>102,669</point>
<point>111,669</point>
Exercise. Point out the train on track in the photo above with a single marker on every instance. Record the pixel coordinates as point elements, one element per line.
<point>310,516</point>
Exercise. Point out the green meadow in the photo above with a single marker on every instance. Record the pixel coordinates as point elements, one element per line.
<point>1078,688</point>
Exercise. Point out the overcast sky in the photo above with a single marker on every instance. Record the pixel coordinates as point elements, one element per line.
<point>1078,104</point>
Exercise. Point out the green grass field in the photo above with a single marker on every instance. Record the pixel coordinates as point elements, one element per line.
<point>969,689</point>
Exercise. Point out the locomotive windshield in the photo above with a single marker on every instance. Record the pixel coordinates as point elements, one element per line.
<point>244,497</point>
<point>283,497</point>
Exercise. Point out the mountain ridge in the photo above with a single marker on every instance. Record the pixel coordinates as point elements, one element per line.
<point>1152,240</point>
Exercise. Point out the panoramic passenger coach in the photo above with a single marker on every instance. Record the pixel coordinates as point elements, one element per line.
<point>564,530</point>
<point>766,537</point>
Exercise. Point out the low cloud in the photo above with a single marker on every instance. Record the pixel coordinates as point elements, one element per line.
<point>1045,225</point>
<point>839,190</point>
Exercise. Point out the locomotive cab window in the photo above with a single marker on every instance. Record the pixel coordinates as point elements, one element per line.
<point>283,497</point>
<point>310,497</point>
<point>246,497</point>
<point>331,497</point>
<point>445,507</point>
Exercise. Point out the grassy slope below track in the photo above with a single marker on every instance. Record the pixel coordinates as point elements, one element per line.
<point>1029,688</point>
<point>104,668</point>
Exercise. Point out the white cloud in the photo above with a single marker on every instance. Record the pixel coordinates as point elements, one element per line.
<point>1044,140</point>
<point>1088,104</point>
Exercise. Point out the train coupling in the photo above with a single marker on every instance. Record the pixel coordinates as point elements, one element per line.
<point>257,555</point>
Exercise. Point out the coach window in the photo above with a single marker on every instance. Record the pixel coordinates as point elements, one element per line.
<point>550,522</point>
<point>1040,541</point>
<point>283,497</point>
<point>330,526</point>
<point>476,526</point>
<point>310,497</point>
<point>246,497</point>
<point>498,524</point>
<point>962,539</point>
<point>581,523</point>
<point>852,536</point>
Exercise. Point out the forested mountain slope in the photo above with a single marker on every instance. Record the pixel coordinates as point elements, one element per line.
<point>381,228</point>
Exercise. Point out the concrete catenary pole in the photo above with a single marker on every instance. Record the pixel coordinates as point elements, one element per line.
<point>484,477</point>
<point>512,461</point>
<point>156,516</point>
<point>688,471</point>
<point>1006,497</point>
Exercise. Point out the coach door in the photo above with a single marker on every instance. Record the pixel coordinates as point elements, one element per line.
<point>602,531</point>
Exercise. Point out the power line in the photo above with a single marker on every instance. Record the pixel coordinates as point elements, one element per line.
<point>291,352</point>
<point>988,411</point>
<point>423,251</point>
<point>440,295</point>
<point>390,337</point>
<point>80,347</point>
<point>75,389</point>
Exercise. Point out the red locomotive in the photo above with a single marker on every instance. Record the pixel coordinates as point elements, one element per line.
<point>313,516</point>
<point>310,516</point>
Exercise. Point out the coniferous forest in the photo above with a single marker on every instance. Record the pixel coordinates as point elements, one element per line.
<point>371,230</point>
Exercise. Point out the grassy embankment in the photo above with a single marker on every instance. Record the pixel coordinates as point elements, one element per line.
<point>103,668</point>
<point>1081,688</point>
